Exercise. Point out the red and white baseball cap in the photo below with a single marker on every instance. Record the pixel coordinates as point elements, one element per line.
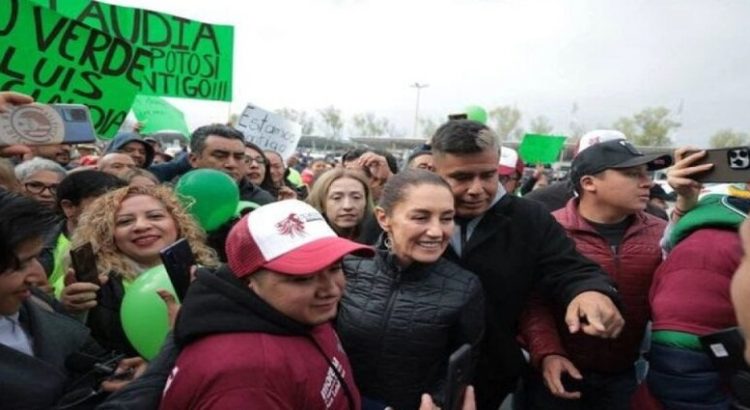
<point>510,162</point>
<point>594,137</point>
<point>288,237</point>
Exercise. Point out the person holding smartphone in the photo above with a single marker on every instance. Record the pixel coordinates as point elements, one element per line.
<point>704,252</point>
<point>127,228</point>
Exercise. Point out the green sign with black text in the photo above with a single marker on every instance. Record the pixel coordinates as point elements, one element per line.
<point>191,59</point>
<point>59,60</point>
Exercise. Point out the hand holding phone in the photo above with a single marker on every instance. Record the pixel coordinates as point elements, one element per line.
<point>42,124</point>
<point>81,295</point>
<point>84,264</point>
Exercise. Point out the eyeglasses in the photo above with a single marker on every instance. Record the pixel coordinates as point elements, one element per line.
<point>39,187</point>
<point>258,160</point>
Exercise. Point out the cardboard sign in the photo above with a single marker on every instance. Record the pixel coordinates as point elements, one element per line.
<point>156,115</point>
<point>269,131</point>
<point>541,149</point>
<point>58,60</point>
<point>191,59</point>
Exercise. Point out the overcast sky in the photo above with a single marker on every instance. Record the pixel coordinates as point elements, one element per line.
<point>612,58</point>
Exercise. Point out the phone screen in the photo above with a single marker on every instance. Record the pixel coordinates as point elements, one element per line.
<point>178,258</point>
<point>84,264</point>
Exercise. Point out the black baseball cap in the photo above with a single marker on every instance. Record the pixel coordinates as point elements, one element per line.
<point>615,154</point>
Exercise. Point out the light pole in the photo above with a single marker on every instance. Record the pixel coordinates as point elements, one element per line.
<point>419,88</point>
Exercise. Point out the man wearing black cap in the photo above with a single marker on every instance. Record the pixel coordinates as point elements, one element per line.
<point>608,223</point>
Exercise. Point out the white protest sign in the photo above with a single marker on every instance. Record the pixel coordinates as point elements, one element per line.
<point>269,131</point>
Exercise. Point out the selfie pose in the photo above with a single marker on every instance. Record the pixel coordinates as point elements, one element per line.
<point>126,229</point>
<point>406,310</point>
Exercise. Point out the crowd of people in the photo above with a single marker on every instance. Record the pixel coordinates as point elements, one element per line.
<point>349,285</point>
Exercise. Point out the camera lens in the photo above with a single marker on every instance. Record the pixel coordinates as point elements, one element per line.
<point>77,114</point>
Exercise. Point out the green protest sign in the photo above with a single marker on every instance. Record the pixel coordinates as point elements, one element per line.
<point>191,59</point>
<point>59,60</point>
<point>541,149</point>
<point>156,114</point>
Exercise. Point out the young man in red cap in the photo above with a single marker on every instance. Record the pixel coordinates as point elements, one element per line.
<point>609,226</point>
<point>510,169</point>
<point>257,334</point>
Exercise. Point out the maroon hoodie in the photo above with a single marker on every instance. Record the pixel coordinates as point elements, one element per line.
<point>240,353</point>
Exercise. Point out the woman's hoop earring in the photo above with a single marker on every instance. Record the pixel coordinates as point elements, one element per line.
<point>388,243</point>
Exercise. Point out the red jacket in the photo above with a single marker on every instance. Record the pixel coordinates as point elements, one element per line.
<point>691,289</point>
<point>543,326</point>
<point>260,371</point>
<point>238,352</point>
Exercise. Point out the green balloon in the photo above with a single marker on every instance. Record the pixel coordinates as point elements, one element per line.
<point>211,196</point>
<point>476,113</point>
<point>144,314</point>
<point>243,206</point>
<point>294,177</point>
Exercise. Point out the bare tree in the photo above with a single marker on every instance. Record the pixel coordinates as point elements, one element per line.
<point>369,124</point>
<point>649,127</point>
<point>728,138</point>
<point>506,120</point>
<point>540,125</point>
<point>333,121</point>
<point>299,116</point>
<point>428,126</point>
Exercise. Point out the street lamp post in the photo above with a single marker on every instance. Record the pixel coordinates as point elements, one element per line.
<point>419,88</point>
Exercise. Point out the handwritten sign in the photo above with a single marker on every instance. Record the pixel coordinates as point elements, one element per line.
<point>269,131</point>
<point>156,115</point>
<point>191,59</point>
<point>58,60</point>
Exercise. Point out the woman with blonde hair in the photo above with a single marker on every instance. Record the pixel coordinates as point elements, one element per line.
<point>344,198</point>
<point>127,228</point>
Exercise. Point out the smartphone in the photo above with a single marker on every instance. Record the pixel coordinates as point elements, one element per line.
<point>726,348</point>
<point>460,369</point>
<point>178,258</point>
<point>462,116</point>
<point>84,264</point>
<point>730,165</point>
<point>570,383</point>
<point>40,124</point>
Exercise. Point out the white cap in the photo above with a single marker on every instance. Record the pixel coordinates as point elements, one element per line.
<point>594,137</point>
<point>289,237</point>
<point>509,162</point>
